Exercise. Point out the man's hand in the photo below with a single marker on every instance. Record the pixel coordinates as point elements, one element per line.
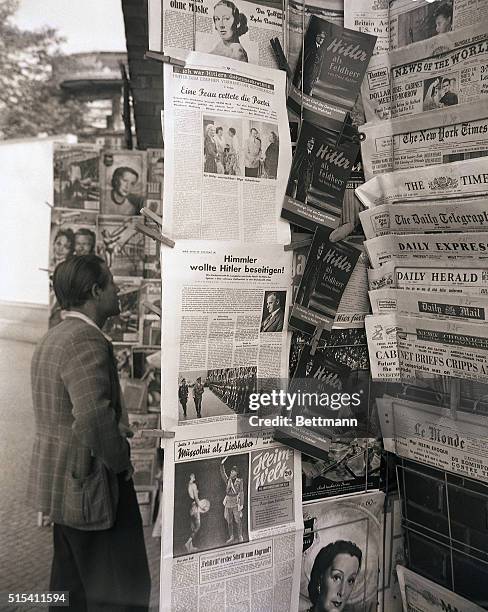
<point>125,431</point>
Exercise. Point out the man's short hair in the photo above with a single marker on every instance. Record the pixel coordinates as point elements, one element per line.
<point>74,278</point>
<point>446,80</point>
<point>277,297</point>
<point>445,10</point>
<point>84,231</point>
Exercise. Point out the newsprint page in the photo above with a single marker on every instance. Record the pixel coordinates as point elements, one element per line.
<point>228,151</point>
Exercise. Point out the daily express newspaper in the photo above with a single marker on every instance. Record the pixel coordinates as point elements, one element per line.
<point>177,27</point>
<point>435,137</point>
<point>224,319</point>
<point>372,17</point>
<point>228,151</point>
<point>232,521</point>
<point>455,181</point>
<point>420,274</point>
<point>422,595</point>
<point>411,348</point>
<point>424,19</point>
<point>421,78</point>
<point>429,434</point>
<point>470,215</point>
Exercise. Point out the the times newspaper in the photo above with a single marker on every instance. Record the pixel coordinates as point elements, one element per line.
<point>177,27</point>
<point>415,348</point>
<point>430,435</point>
<point>228,151</point>
<point>434,137</point>
<point>225,309</point>
<point>439,248</point>
<point>370,16</point>
<point>421,20</point>
<point>455,181</point>
<point>423,595</point>
<point>232,521</point>
<point>421,78</point>
<point>468,215</point>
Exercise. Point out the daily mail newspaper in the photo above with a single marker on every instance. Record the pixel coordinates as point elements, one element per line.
<point>435,137</point>
<point>423,595</point>
<point>424,19</point>
<point>239,30</point>
<point>421,275</point>
<point>224,317</point>
<point>429,434</point>
<point>422,78</point>
<point>231,521</point>
<point>470,215</point>
<point>455,181</point>
<point>228,151</point>
<point>411,348</point>
<point>441,248</point>
<point>369,16</point>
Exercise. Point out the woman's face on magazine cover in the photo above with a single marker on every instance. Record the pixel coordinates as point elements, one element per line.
<point>224,21</point>
<point>62,248</point>
<point>337,583</point>
<point>126,183</point>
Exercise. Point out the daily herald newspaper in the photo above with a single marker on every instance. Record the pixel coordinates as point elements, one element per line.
<point>411,348</point>
<point>441,248</point>
<point>232,521</point>
<point>228,151</point>
<point>455,181</point>
<point>225,308</point>
<point>422,595</point>
<point>429,434</point>
<point>434,137</point>
<point>448,70</point>
<point>177,27</point>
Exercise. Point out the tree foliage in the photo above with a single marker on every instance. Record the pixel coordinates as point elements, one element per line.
<point>31,101</point>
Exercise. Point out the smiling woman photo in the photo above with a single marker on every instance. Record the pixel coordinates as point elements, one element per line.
<point>230,24</point>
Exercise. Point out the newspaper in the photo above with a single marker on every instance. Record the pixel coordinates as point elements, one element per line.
<point>427,304</point>
<point>372,17</point>
<point>232,521</point>
<point>411,348</point>
<point>423,595</point>
<point>439,137</point>
<point>414,21</point>
<point>228,151</point>
<point>415,275</point>
<point>224,318</point>
<point>419,78</point>
<point>432,247</point>
<point>470,215</point>
<point>429,434</point>
<point>239,30</point>
<point>456,181</point>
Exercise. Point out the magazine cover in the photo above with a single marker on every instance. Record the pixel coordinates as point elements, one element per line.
<point>73,232</point>
<point>121,245</point>
<point>76,176</point>
<point>147,367</point>
<point>319,175</point>
<point>150,322</point>
<point>124,328</point>
<point>123,182</point>
<point>342,543</point>
<point>155,179</point>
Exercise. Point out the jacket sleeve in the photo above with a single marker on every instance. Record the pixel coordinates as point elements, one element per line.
<point>86,375</point>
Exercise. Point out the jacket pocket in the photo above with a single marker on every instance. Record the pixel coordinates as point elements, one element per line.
<point>88,502</point>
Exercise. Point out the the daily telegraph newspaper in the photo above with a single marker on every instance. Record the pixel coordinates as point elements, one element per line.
<point>419,78</point>
<point>228,151</point>
<point>238,30</point>
<point>347,531</point>
<point>370,16</point>
<point>469,215</point>
<point>224,315</point>
<point>232,521</point>
<point>440,248</point>
<point>414,21</point>
<point>430,435</point>
<point>412,348</point>
<point>422,595</point>
<point>329,71</point>
<point>455,181</point>
<point>448,135</point>
<point>420,274</point>
<point>319,174</point>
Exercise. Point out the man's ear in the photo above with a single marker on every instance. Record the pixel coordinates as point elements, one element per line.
<point>95,291</point>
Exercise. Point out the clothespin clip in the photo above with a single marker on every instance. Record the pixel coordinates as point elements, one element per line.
<point>45,270</point>
<point>298,244</point>
<point>165,59</point>
<point>152,308</point>
<point>157,433</point>
<point>48,204</point>
<point>150,214</point>
<point>315,339</point>
<point>153,233</point>
<point>280,57</point>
